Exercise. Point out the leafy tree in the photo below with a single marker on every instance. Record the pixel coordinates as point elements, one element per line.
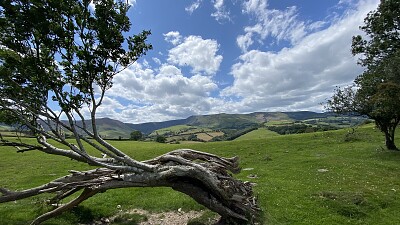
<point>161,139</point>
<point>67,53</point>
<point>376,92</point>
<point>136,135</point>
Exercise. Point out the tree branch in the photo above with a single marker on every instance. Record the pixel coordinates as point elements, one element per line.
<point>87,193</point>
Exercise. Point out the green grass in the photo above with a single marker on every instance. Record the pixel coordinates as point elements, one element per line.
<point>114,134</point>
<point>315,178</point>
<point>174,129</point>
<point>260,133</point>
<point>279,122</point>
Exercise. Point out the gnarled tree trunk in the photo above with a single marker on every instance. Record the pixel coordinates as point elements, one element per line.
<point>388,128</point>
<point>204,177</point>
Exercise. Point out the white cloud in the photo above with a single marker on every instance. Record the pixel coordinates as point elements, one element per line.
<point>255,6</point>
<point>220,14</point>
<point>244,41</point>
<point>301,76</point>
<point>283,25</point>
<point>131,2</point>
<point>163,94</point>
<point>157,60</point>
<point>195,5</point>
<point>173,37</point>
<point>199,53</point>
<point>298,77</point>
<point>109,108</point>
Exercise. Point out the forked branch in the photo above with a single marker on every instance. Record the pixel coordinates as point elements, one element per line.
<point>202,176</point>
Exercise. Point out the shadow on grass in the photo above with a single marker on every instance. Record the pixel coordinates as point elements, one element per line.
<point>387,155</point>
<point>352,205</point>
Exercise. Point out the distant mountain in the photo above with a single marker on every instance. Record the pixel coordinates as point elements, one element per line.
<point>223,121</point>
<point>231,121</point>
<point>113,128</point>
<point>110,128</point>
<point>147,128</point>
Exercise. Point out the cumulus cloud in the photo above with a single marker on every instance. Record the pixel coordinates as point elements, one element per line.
<point>298,77</point>
<point>198,53</point>
<point>173,37</point>
<point>301,76</point>
<point>162,94</point>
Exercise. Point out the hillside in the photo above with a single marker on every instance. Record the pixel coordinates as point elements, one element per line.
<point>147,128</point>
<point>229,124</point>
<point>223,121</point>
<point>325,178</point>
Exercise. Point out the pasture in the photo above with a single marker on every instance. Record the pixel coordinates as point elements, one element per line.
<point>332,177</point>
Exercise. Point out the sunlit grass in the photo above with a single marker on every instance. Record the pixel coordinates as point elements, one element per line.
<point>315,178</point>
<point>260,133</point>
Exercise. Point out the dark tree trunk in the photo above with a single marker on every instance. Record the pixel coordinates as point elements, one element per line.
<point>388,128</point>
<point>389,140</point>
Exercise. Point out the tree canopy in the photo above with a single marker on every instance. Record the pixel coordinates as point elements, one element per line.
<point>136,135</point>
<point>57,60</point>
<point>376,92</point>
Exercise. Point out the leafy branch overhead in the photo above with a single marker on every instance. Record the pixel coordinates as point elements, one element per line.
<point>66,53</point>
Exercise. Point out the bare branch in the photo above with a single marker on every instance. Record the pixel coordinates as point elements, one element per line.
<point>87,193</point>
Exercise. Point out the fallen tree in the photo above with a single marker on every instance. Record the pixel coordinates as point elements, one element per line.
<point>65,53</point>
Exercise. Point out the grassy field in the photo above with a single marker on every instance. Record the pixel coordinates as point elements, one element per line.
<point>330,177</point>
<point>260,133</point>
<point>175,129</point>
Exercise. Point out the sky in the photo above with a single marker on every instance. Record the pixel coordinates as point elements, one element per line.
<point>236,56</point>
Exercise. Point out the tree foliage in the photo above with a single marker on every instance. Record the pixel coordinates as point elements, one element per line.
<point>161,139</point>
<point>66,53</point>
<point>376,92</point>
<point>136,135</point>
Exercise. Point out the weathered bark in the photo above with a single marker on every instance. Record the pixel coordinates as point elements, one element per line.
<point>388,128</point>
<point>389,141</point>
<point>204,177</point>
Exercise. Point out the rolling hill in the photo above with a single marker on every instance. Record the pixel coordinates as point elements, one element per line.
<point>231,123</point>
<point>236,123</point>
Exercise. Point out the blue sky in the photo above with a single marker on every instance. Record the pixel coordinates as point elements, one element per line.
<point>236,56</point>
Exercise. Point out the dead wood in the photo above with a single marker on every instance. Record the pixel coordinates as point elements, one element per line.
<point>205,177</point>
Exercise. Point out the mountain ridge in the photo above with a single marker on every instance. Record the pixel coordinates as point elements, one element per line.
<point>112,128</point>
<point>221,120</point>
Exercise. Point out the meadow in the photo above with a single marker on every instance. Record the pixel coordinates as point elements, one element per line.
<point>333,177</point>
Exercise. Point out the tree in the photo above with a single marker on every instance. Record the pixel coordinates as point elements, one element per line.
<point>161,139</point>
<point>136,135</point>
<point>67,53</point>
<point>376,92</point>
